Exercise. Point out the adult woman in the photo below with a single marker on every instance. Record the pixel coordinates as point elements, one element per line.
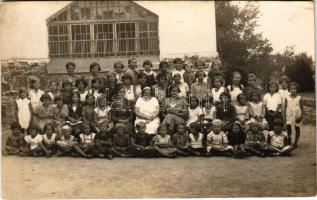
<point>147,110</point>
<point>176,109</point>
<point>121,110</point>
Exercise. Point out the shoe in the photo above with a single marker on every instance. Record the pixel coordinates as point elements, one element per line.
<point>110,157</point>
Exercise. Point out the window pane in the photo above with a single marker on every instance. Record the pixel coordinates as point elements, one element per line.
<point>153,26</point>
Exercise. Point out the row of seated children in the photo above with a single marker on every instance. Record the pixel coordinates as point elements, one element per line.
<point>236,141</point>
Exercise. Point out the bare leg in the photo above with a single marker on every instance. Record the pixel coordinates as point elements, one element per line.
<point>78,150</point>
<point>297,130</point>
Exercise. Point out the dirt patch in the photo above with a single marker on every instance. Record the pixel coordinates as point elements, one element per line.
<point>29,178</point>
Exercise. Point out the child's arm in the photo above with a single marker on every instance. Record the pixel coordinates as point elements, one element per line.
<point>301,105</point>
<point>44,148</point>
<point>16,109</point>
<point>284,111</point>
<point>248,113</point>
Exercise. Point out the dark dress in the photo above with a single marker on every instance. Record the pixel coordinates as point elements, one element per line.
<point>104,143</point>
<point>142,141</point>
<point>236,139</point>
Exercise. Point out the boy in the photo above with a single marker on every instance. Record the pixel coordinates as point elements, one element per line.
<point>255,140</point>
<point>196,144</point>
<point>180,140</point>
<point>15,140</point>
<point>141,142</point>
<point>103,141</point>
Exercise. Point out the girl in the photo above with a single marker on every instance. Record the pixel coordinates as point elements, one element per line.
<point>66,92</point>
<point>180,140</point>
<point>251,86</point>
<point>60,111</point>
<point>150,74</point>
<point>164,66</point>
<point>183,87</point>
<point>217,141</point>
<point>195,111</point>
<point>96,88</point>
<point>278,141</point>
<point>75,109</point>
<point>200,89</point>
<point>53,90</point>
<point>35,93</point>
<point>176,109</point>
<point>255,140</point>
<point>103,112</point>
<point>284,89</point>
<point>130,89</point>
<point>87,139</point>
<point>273,103</point>
<point>111,88</point>
<point>178,64</point>
<point>50,138</point>
<point>15,140</point>
<point>294,111</point>
<point>121,141</point>
<point>95,69</point>
<point>141,142</point>
<point>196,141</point>
<point>43,114</point>
<point>160,89</point>
<point>23,109</point>
<point>257,110</point>
<point>35,145</point>
<point>189,76</point>
<point>217,89</point>
<point>236,87</point>
<point>88,113</point>
<point>141,83</point>
<point>242,109</point>
<point>82,84</point>
<point>118,70</point>
<point>67,144</point>
<point>236,138</point>
<point>162,144</point>
<point>225,111</point>
<point>209,113</point>
<point>103,142</point>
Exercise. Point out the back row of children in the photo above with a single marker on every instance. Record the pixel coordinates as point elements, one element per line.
<point>91,100</point>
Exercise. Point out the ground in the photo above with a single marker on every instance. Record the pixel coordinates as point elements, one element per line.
<point>29,178</point>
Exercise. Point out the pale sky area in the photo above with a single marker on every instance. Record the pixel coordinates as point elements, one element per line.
<point>23,31</point>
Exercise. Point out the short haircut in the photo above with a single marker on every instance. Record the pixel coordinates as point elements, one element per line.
<point>147,62</point>
<point>66,82</point>
<point>284,78</point>
<point>160,76</point>
<point>118,63</point>
<point>241,95</point>
<point>272,82</point>
<point>294,84</point>
<point>54,81</point>
<point>199,71</point>
<point>176,60</point>
<point>172,86</point>
<point>130,60</point>
<point>46,125</point>
<point>70,64</point>
<point>93,65</point>
<point>81,80</point>
<point>278,122</point>
<point>140,124</point>
<point>126,76</point>
<point>45,96</point>
<point>141,75</point>
<point>162,63</point>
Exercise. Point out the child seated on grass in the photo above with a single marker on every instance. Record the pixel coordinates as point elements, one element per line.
<point>196,140</point>
<point>15,140</point>
<point>121,141</point>
<point>236,137</point>
<point>278,143</point>
<point>103,141</point>
<point>217,141</point>
<point>35,145</point>
<point>67,144</point>
<point>180,140</point>
<point>50,138</point>
<point>163,145</point>
<point>255,140</point>
<point>141,142</point>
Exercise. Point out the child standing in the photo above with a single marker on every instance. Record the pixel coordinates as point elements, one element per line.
<point>66,92</point>
<point>23,109</point>
<point>164,66</point>
<point>183,87</point>
<point>218,89</point>
<point>163,145</point>
<point>189,76</point>
<point>200,89</point>
<point>209,113</point>
<point>15,140</point>
<point>178,63</point>
<point>118,70</point>
<point>236,87</point>
<point>160,89</point>
<point>217,141</point>
<point>242,109</point>
<point>284,91</point>
<point>196,141</point>
<point>277,140</point>
<point>273,104</point>
<point>236,137</point>
<point>35,93</point>
<point>195,111</point>
<point>257,110</point>
<point>150,74</point>
<point>294,111</point>
<point>104,141</point>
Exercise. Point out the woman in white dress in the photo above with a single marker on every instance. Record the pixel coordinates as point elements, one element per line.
<point>147,110</point>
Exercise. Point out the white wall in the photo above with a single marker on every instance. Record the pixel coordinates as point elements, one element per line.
<point>185,27</point>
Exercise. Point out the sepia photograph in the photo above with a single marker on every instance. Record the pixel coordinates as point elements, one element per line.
<point>157,99</point>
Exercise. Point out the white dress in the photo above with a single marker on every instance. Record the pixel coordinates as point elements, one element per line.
<point>216,93</point>
<point>148,107</point>
<point>234,93</point>
<point>194,115</point>
<point>24,113</point>
<point>293,111</point>
<point>35,97</point>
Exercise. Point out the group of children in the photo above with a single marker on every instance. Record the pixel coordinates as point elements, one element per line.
<point>198,114</point>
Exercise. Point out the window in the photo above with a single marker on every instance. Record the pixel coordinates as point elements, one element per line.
<point>148,34</point>
<point>81,40</point>
<point>58,39</point>
<point>126,38</point>
<point>104,39</point>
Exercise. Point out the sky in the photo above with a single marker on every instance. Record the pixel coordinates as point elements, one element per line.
<point>23,31</point>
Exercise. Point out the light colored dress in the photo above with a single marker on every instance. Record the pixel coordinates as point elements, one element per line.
<point>293,111</point>
<point>35,97</point>
<point>242,112</point>
<point>24,113</point>
<point>216,93</point>
<point>194,115</point>
<point>148,107</point>
<point>234,93</point>
<point>219,142</point>
<point>33,142</point>
<point>51,140</point>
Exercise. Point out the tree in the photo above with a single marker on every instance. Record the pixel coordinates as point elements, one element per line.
<point>238,45</point>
